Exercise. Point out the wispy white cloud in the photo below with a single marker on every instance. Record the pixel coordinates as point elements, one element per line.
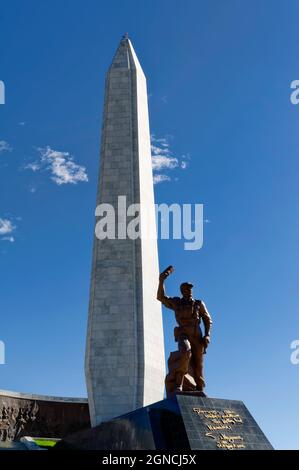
<point>8,239</point>
<point>34,166</point>
<point>61,165</point>
<point>161,162</point>
<point>163,159</point>
<point>6,229</point>
<point>6,226</point>
<point>164,141</point>
<point>158,178</point>
<point>4,146</point>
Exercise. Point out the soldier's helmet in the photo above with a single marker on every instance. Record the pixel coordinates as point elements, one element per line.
<point>187,284</point>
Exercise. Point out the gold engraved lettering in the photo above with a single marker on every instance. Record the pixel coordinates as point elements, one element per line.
<point>231,438</point>
<point>209,434</point>
<point>220,420</point>
<point>227,420</point>
<point>238,420</point>
<point>216,427</point>
<point>217,421</point>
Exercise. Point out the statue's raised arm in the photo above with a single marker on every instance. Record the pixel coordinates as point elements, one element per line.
<point>161,294</point>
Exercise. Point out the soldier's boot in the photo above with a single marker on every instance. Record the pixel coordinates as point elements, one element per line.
<point>179,380</point>
<point>182,370</point>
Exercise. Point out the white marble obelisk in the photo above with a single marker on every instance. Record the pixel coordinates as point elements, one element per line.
<point>124,364</point>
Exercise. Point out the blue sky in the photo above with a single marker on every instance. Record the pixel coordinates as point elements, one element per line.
<point>219,75</point>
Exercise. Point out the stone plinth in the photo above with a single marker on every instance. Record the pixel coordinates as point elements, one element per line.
<point>185,422</point>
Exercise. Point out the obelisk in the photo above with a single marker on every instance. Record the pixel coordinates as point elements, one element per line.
<point>124,363</point>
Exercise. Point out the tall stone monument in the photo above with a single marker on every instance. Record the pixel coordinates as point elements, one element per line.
<point>124,362</point>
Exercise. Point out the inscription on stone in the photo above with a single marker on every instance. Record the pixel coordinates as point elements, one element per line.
<point>218,424</point>
<point>216,420</point>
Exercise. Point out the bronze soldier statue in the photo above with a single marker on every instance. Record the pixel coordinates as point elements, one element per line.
<point>186,364</point>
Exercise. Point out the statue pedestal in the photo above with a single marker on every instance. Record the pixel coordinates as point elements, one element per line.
<point>184,422</point>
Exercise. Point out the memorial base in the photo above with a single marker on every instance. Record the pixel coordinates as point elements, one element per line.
<point>184,422</point>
